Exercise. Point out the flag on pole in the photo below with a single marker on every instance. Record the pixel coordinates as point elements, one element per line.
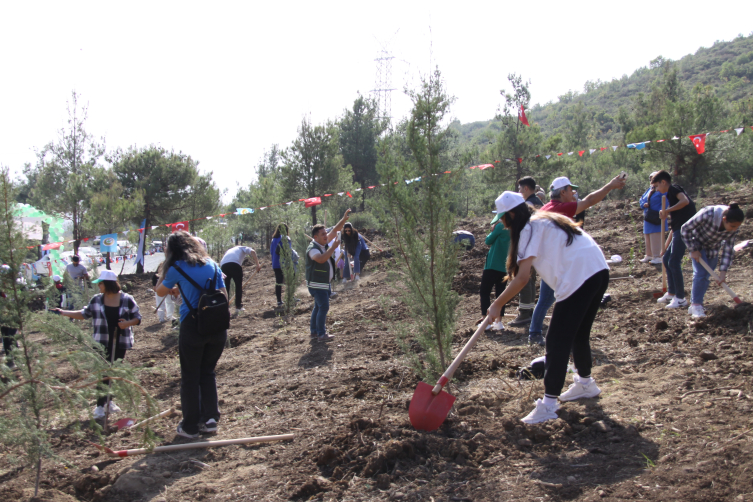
<point>108,243</point>
<point>699,141</point>
<point>522,116</point>
<point>142,242</point>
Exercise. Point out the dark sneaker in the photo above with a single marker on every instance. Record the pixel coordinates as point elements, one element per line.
<point>185,434</point>
<point>523,319</point>
<point>536,339</point>
<point>209,426</point>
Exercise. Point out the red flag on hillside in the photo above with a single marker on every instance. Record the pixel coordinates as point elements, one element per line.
<point>699,141</point>
<point>181,225</point>
<point>313,201</point>
<point>522,116</point>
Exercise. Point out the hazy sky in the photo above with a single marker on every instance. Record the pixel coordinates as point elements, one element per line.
<point>223,81</point>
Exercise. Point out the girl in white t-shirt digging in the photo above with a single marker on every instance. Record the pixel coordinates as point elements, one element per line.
<point>570,262</point>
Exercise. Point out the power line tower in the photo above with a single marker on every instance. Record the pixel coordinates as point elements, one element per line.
<point>383,91</point>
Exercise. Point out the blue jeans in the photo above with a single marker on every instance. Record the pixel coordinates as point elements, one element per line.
<point>319,312</point>
<point>701,278</point>
<point>546,300</point>
<point>673,265</point>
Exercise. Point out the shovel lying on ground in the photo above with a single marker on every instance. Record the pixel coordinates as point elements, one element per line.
<point>663,250</point>
<point>130,423</point>
<point>718,279</point>
<point>430,406</point>
<point>192,446</point>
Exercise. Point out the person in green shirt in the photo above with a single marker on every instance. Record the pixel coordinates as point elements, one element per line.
<point>495,269</point>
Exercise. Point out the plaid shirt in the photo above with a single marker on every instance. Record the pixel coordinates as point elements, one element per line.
<point>702,233</point>
<point>96,311</point>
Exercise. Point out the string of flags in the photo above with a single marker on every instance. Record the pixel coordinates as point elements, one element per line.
<point>699,141</point>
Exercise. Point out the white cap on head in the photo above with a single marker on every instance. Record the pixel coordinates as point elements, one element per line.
<point>56,278</point>
<point>562,182</point>
<point>106,275</point>
<point>508,200</point>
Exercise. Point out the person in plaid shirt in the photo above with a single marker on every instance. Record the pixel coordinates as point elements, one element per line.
<point>113,313</point>
<point>710,236</point>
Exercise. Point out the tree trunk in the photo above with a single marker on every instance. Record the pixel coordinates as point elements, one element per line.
<point>107,260</point>
<point>363,196</point>
<point>313,214</point>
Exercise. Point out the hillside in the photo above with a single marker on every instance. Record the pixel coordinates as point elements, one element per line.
<point>726,66</point>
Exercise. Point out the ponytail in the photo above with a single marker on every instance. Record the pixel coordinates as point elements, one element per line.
<point>734,214</point>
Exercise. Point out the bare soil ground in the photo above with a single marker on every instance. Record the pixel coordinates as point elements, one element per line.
<point>648,436</point>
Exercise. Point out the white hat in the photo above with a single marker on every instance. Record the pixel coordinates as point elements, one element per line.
<point>508,200</point>
<point>106,275</point>
<point>56,278</point>
<point>561,182</point>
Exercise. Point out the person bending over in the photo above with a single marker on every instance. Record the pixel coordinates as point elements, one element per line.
<point>355,247</point>
<point>231,265</point>
<point>569,260</point>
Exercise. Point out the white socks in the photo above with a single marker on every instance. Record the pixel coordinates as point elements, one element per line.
<point>550,401</point>
<point>586,380</point>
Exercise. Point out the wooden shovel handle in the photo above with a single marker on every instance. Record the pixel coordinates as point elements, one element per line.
<point>663,245</point>
<point>447,375</point>
<point>718,279</point>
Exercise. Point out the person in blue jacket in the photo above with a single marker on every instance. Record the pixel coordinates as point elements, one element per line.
<point>356,248</point>
<point>652,231</point>
<point>274,247</point>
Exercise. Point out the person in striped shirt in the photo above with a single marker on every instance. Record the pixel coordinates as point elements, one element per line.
<point>710,236</point>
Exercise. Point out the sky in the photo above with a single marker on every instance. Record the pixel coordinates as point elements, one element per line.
<point>224,81</point>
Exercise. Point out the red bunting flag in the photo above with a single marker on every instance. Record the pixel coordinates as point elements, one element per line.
<point>327,194</point>
<point>181,225</point>
<point>699,141</point>
<point>447,172</point>
<point>313,201</point>
<point>603,148</point>
<point>520,159</point>
<point>560,154</point>
<point>522,116</point>
<point>485,166</point>
<point>348,194</point>
<point>372,187</point>
<point>581,153</point>
<point>54,245</point>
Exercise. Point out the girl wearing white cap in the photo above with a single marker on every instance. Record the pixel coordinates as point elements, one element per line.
<point>572,264</point>
<point>113,313</point>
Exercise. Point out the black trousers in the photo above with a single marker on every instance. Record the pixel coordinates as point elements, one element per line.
<point>8,334</point>
<point>198,386</point>
<point>279,281</point>
<point>491,279</point>
<point>119,354</point>
<point>234,272</point>
<point>570,330</point>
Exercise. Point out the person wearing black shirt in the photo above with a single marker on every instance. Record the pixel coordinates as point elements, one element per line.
<point>527,188</point>
<point>680,209</point>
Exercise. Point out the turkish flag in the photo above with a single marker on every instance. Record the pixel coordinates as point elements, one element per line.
<point>522,116</point>
<point>53,245</point>
<point>181,225</point>
<point>699,141</point>
<point>313,201</point>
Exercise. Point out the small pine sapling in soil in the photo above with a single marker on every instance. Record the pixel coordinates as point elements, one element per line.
<point>56,367</point>
<point>418,221</point>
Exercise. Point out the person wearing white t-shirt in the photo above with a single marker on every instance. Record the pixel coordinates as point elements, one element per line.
<point>231,267</point>
<point>571,263</point>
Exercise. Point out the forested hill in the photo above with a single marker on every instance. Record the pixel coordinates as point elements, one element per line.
<point>726,66</point>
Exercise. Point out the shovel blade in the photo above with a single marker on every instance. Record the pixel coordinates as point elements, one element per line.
<point>427,411</point>
<point>124,423</point>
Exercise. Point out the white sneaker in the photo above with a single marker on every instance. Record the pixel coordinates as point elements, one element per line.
<point>666,298</point>
<point>488,326</point>
<point>646,259</point>
<point>498,326</point>
<point>656,261</point>
<point>676,303</point>
<point>697,311</point>
<point>114,408</point>
<point>99,413</point>
<point>541,413</point>
<point>580,390</point>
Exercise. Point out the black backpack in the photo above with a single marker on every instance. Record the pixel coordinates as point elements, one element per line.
<point>212,314</point>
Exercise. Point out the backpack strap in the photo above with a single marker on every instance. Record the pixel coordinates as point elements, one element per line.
<point>193,283</point>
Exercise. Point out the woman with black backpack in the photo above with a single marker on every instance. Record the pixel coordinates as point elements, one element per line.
<point>651,204</point>
<point>192,272</point>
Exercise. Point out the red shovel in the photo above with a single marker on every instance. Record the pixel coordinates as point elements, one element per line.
<point>430,406</point>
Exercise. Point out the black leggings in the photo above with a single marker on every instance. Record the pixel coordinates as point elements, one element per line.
<point>570,330</point>
<point>234,272</point>
<point>491,279</point>
<point>119,354</point>
<point>279,281</point>
<point>8,334</point>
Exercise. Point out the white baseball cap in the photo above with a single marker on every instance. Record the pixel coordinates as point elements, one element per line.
<point>506,201</point>
<point>56,278</point>
<point>561,182</point>
<point>106,275</point>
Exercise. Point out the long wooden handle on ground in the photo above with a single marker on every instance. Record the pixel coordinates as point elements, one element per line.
<point>718,279</point>
<point>447,375</point>
<point>245,283</point>
<point>152,419</point>
<point>663,247</point>
<point>192,446</point>
<point>367,240</point>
